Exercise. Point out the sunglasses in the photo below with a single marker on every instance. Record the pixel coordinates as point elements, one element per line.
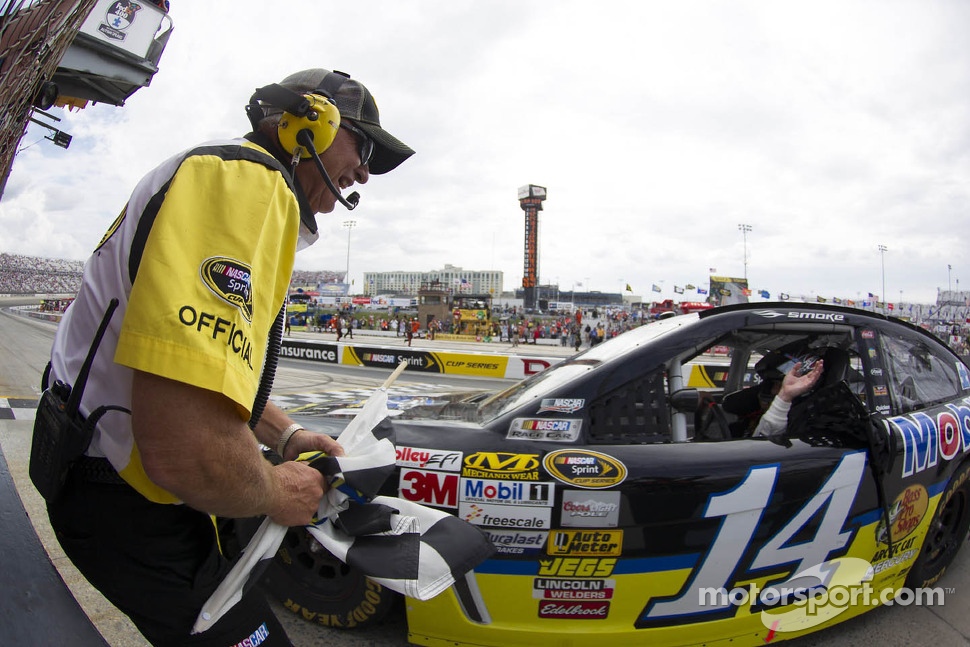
<point>366,144</point>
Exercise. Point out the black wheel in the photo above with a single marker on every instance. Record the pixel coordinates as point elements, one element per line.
<point>315,585</point>
<point>947,532</point>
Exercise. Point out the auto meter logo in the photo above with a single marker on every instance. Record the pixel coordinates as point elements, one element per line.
<point>229,280</point>
<point>584,468</point>
<point>592,543</point>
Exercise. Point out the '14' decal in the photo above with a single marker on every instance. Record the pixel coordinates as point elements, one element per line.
<point>741,510</point>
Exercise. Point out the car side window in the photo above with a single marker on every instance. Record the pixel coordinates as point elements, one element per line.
<point>633,413</point>
<point>918,375</point>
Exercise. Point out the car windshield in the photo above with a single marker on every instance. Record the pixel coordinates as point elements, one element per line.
<point>541,384</point>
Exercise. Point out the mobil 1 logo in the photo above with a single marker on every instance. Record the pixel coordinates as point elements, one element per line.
<point>506,492</point>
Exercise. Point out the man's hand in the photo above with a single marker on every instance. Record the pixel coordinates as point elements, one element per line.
<point>305,440</point>
<point>795,385</point>
<point>298,490</point>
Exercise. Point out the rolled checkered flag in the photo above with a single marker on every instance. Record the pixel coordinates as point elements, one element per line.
<point>409,548</point>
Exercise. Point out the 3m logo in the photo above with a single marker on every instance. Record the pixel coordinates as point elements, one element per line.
<point>433,488</point>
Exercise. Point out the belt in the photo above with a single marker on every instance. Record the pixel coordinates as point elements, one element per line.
<point>96,470</point>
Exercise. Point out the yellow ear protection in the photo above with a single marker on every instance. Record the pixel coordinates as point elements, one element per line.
<point>321,120</point>
<point>309,123</point>
<point>309,120</point>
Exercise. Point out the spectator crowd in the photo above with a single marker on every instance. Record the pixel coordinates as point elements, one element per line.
<point>37,275</point>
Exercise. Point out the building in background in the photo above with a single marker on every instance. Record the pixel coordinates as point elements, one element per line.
<point>455,278</point>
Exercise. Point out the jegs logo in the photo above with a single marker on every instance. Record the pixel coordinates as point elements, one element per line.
<point>230,280</point>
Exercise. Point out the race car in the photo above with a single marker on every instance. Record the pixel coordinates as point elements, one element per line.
<point>631,500</point>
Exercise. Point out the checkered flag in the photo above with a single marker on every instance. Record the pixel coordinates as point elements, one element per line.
<point>409,548</point>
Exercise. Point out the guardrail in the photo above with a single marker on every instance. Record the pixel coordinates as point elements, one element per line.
<point>36,605</point>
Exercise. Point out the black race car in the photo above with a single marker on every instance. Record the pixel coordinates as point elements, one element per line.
<point>630,499</point>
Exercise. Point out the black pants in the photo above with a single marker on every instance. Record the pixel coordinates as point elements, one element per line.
<point>157,563</point>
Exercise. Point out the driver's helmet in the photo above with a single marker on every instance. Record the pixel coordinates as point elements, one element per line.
<point>774,366</point>
<point>772,369</point>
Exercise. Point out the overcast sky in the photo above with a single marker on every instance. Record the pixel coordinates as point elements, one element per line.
<point>828,127</point>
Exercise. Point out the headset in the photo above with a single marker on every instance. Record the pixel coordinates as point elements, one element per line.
<point>308,126</point>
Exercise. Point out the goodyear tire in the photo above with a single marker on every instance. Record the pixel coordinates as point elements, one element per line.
<point>318,587</point>
<point>947,531</point>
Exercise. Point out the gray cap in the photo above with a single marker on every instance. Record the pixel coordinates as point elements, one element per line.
<point>355,102</point>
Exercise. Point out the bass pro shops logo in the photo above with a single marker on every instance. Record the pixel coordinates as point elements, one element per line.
<point>230,280</point>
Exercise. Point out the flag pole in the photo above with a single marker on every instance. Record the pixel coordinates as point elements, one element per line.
<point>393,376</point>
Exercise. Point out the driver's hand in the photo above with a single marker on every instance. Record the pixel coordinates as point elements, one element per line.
<point>795,385</point>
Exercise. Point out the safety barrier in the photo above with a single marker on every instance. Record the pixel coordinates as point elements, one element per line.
<point>449,362</point>
<point>36,605</point>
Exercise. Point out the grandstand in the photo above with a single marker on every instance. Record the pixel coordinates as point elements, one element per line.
<point>315,278</point>
<point>21,274</point>
<point>37,275</point>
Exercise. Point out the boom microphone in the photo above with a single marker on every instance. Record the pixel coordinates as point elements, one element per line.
<point>305,139</point>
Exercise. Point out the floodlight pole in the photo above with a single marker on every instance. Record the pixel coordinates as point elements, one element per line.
<point>349,224</point>
<point>882,254</point>
<point>744,229</point>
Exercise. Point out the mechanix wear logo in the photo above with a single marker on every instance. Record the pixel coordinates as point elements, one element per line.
<point>229,280</point>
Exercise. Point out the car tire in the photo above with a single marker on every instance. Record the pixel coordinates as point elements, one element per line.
<point>947,531</point>
<point>313,584</point>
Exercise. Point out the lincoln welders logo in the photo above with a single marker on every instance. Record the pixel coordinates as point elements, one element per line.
<point>229,280</point>
<point>118,18</point>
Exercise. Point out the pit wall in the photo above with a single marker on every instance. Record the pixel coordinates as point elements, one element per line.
<point>475,364</point>
<point>511,367</point>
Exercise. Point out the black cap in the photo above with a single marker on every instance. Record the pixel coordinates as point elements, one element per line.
<point>355,102</point>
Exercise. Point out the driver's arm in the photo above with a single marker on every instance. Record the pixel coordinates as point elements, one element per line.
<point>775,420</point>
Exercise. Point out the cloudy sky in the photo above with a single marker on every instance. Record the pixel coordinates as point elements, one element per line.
<point>828,127</point>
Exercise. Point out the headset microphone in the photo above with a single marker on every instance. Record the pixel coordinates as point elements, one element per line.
<point>305,139</point>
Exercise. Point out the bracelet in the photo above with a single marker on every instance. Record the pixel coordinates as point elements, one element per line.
<point>285,437</point>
